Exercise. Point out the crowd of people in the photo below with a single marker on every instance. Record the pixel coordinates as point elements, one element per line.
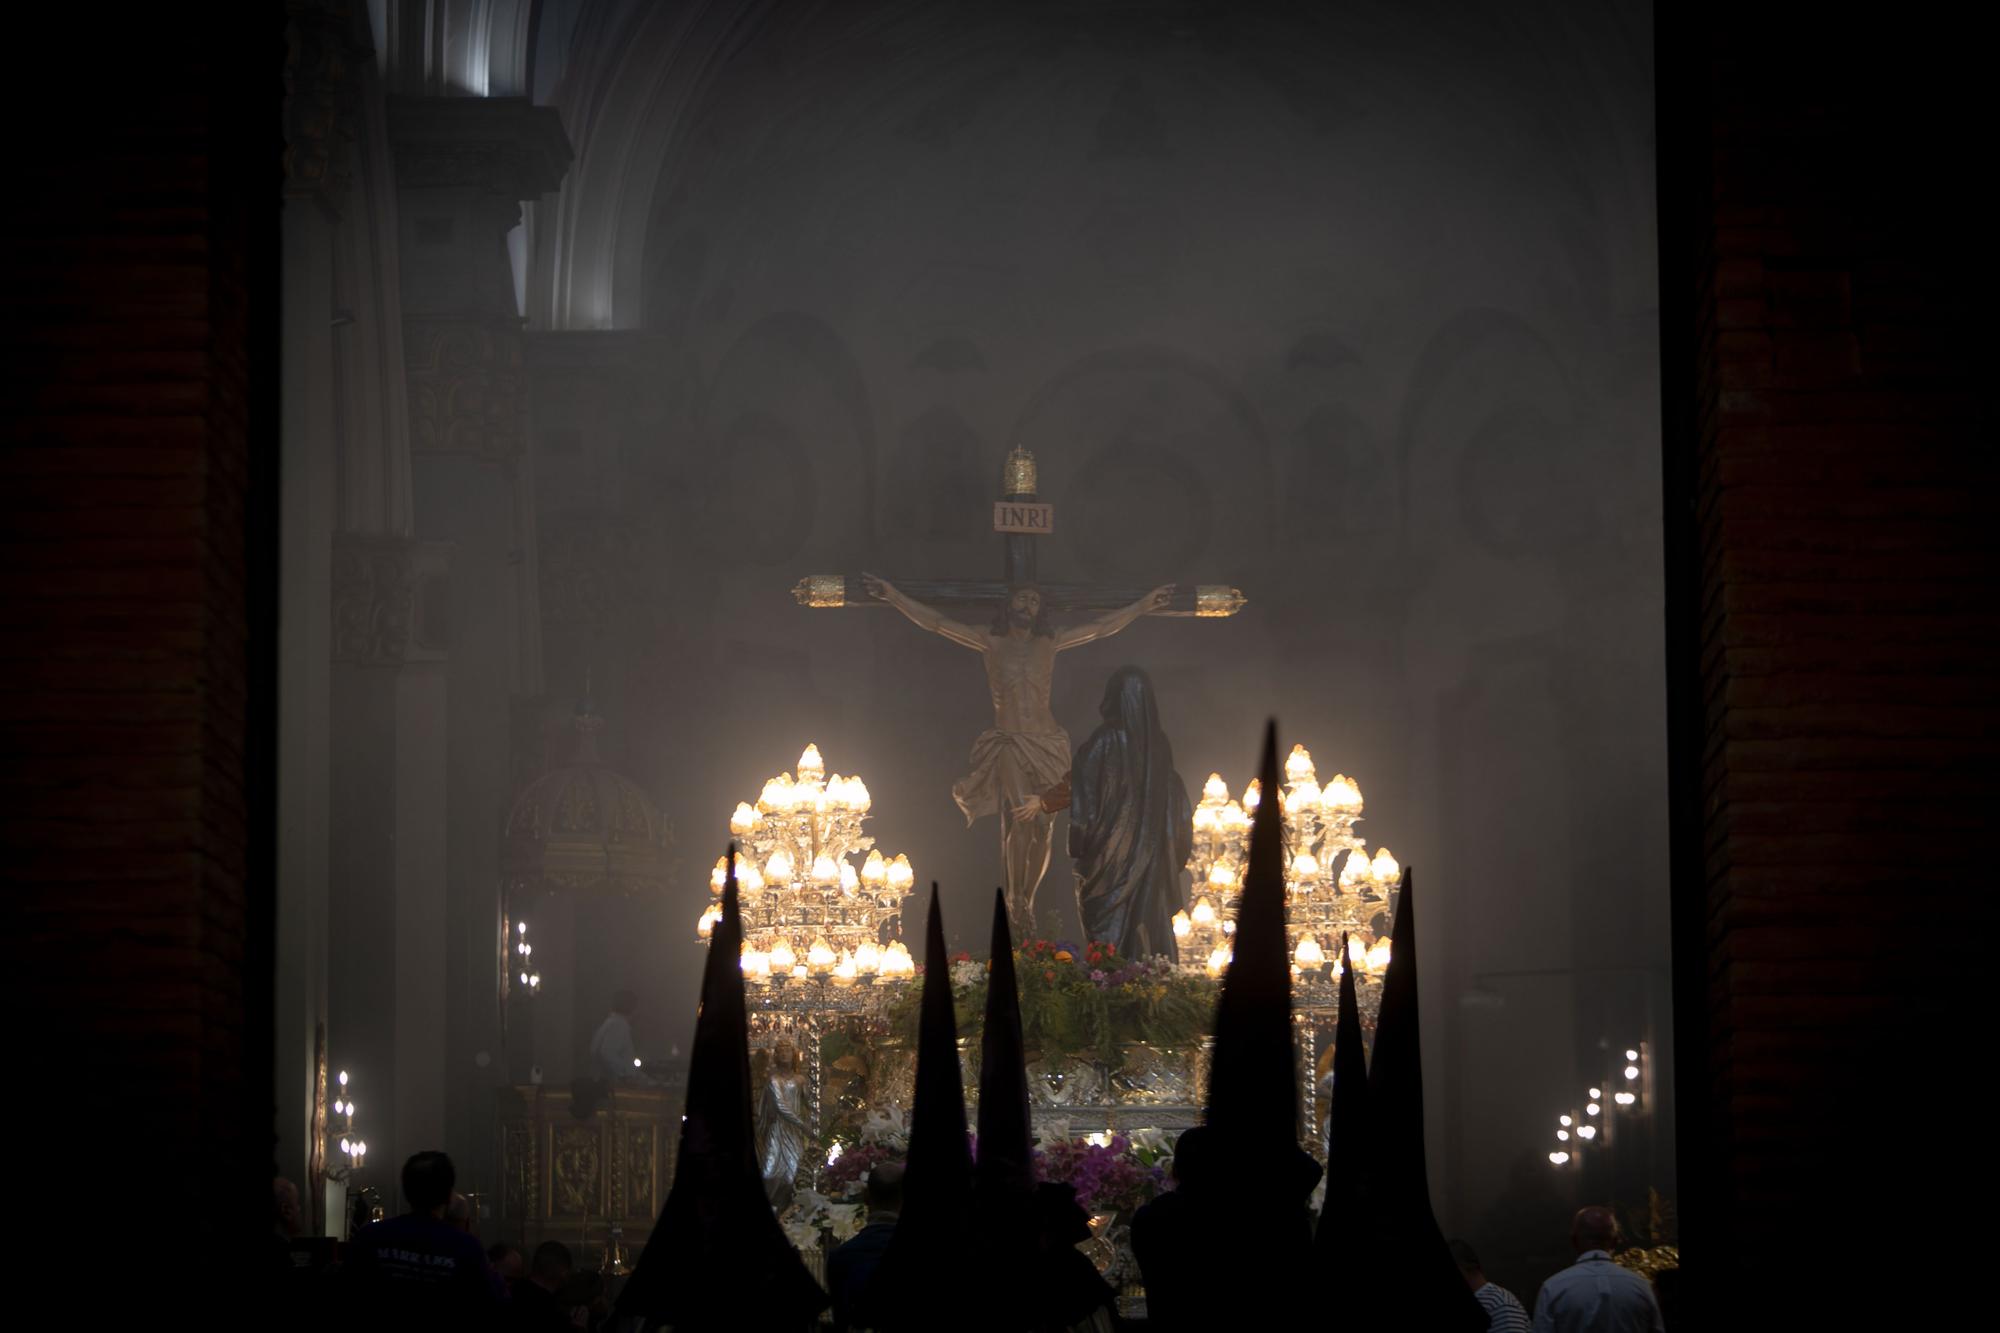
<point>427,1269</point>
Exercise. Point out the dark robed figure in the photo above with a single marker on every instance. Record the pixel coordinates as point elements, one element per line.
<point>1130,824</point>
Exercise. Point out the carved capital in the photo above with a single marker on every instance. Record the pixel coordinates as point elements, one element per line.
<point>503,146</point>
<point>389,600</point>
<point>467,388</point>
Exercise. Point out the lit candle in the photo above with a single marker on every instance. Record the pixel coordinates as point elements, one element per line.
<point>1299,765</point>
<point>811,768</point>
<point>819,958</point>
<point>1182,925</point>
<point>1384,868</point>
<point>1378,956</point>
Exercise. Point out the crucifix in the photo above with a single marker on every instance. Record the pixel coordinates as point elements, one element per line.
<point>1019,765</point>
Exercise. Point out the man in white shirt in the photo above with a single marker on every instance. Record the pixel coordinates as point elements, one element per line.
<point>613,1058</point>
<point>1594,1295</point>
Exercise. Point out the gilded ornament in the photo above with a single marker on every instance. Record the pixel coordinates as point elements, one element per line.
<point>1215,600</point>
<point>821,590</point>
<point>1019,476</point>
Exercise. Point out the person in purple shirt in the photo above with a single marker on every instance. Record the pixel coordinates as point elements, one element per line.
<point>418,1270</point>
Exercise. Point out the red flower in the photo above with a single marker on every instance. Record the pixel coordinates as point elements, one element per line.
<point>1049,975</point>
<point>961,957</point>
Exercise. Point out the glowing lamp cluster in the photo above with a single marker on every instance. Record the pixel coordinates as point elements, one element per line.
<point>528,979</point>
<point>821,903</point>
<point>1595,1125</point>
<point>1333,884</point>
<point>353,1148</point>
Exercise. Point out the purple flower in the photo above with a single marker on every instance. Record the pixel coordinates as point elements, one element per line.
<point>1097,975</point>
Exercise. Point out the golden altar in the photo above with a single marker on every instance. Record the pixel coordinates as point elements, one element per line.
<point>572,1180</point>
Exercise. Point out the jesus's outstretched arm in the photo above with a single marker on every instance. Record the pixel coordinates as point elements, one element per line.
<point>924,617</point>
<point>1105,626</point>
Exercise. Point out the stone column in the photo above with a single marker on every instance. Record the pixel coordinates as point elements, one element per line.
<point>463,166</point>
<point>388,862</point>
<point>318,136</point>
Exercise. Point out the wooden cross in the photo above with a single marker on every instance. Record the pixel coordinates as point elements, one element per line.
<point>1023,519</point>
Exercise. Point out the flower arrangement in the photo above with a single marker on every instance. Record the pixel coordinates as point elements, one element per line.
<point>884,1136</point>
<point>1086,1001</point>
<point>1109,1175</point>
<point>816,1222</point>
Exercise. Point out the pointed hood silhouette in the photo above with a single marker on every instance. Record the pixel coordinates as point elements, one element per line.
<point>1253,1100</point>
<point>1006,1139</point>
<point>1003,1175</point>
<point>717,1258</point>
<point>1255,1202</point>
<point>1341,1218</point>
<point>924,1270</point>
<point>1416,1278</point>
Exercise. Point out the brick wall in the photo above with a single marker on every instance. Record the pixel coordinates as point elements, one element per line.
<point>1834,524</point>
<point>134,512</point>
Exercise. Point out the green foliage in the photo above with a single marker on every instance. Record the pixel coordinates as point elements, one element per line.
<point>1087,1004</point>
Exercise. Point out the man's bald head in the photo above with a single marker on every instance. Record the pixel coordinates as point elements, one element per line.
<point>1594,1229</point>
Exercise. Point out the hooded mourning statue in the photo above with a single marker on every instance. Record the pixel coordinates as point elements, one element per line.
<point>1130,824</point>
<point>717,1237</point>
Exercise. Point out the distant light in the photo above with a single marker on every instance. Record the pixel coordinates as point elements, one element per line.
<point>1631,1055</point>
<point>1562,1135</point>
<point>1624,1098</point>
<point>1587,1132</point>
<point>635,1062</point>
<point>1558,1157</point>
<point>343,1078</point>
<point>1592,1109</point>
<point>521,926</point>
<point>1631,1071</point>
<point>346,1147</point>
<point>1596,1093</point>
<point>1564,1120</point>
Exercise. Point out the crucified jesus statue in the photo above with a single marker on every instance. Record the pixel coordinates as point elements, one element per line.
<point>1026,754</point>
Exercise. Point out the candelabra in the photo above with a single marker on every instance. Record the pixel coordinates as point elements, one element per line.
<point>1332,884</point>
<point>818,930</point>
<point>352,1148</point>
<point>529,980</point>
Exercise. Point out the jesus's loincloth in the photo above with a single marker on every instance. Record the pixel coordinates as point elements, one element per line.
<point>1040,761</point>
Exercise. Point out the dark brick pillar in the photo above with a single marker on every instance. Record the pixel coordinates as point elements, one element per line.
<point>136,635</point>
<point>1833,524</point>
